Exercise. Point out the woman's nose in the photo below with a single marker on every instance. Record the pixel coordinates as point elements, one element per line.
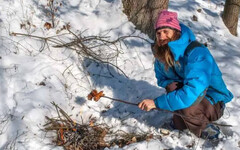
<point>162,37</point>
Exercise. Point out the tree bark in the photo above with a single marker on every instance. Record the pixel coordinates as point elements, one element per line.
<point>230,15</point>
<point>143,13</point>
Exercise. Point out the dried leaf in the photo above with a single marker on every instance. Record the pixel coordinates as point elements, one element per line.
<point>91,123</point>
<point>98,96</point>
<point>94,92</point>
<point>48,25</point>
<point>134,139</point>
<point>58,31</point>
<point>90,96</point>
<point>22,26</point>
<point>190,146</point>
<point>61,133</point>
<point>149,137</point>
<point>74,123</point>
<point>42,83</point>
<point>195,18</point>
<point>164,131</point>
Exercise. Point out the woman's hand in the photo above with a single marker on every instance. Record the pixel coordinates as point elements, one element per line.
<point>147,104</point>
<point>174,86</point>
<point>171,87</point>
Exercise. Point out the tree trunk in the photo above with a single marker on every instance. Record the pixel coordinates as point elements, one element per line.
<point>143,13</point>
<point>230,15</point>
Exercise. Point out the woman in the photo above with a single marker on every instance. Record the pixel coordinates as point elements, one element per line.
<point>190,75</point>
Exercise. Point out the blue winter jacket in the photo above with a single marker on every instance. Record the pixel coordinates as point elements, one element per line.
<point>197,71</point>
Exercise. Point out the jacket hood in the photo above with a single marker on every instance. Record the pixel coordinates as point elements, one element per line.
<point>179,46</point>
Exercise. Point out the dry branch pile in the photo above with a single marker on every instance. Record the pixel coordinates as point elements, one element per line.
<point>75,136</point>
<point>100,48</point>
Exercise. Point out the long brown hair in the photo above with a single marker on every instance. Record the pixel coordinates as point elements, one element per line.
<point>164,54</point>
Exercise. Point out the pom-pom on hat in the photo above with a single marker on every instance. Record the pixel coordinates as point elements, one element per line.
<point>167,19</point>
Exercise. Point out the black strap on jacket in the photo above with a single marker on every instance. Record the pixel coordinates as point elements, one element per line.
<point>191,46</point>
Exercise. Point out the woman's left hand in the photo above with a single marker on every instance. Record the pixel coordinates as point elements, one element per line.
<point>147,105</point>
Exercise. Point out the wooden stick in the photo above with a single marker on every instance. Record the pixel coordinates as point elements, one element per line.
<point>175,113</point>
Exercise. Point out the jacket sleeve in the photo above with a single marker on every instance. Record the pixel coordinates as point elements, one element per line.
<point>197,73</point>
<point>162,79</point>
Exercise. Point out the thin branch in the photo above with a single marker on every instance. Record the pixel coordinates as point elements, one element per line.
<point>175,113</point>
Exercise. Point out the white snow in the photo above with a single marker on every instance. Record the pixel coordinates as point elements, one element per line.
<point>24,103</point>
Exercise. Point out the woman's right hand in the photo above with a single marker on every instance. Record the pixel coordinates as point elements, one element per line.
<point>147,105</point>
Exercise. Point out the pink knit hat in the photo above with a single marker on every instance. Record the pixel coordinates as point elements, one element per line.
<point>167,19</point>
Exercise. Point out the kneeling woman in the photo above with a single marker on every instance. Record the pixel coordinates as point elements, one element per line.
<point>190,75</point>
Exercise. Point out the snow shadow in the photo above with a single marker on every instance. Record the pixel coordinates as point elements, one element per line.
<point>3,91</point>
<point>127,89</point>
<point>80,100</point>
<point>68,6</point>
<point>181,5</point>
<point>218,2</point>
<point>109,1</point>
<point>64,9</point>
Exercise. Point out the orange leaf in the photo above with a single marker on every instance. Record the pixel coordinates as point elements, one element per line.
<point>90,96</point>
<point>91,123</point>
<point>98,96</point>
<point>94,93</point>
<point>61,133</point>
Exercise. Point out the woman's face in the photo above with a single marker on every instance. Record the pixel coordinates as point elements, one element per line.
<point>164,36</point>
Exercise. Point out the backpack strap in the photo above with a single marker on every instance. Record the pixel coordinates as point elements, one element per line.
<point>191,46</point>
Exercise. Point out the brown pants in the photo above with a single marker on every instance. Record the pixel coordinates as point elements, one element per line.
<point>195,118</point>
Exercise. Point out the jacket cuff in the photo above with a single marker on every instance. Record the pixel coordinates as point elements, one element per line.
<point>162,103</point>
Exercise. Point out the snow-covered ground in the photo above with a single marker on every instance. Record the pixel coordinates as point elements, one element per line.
<point>25,101</point>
